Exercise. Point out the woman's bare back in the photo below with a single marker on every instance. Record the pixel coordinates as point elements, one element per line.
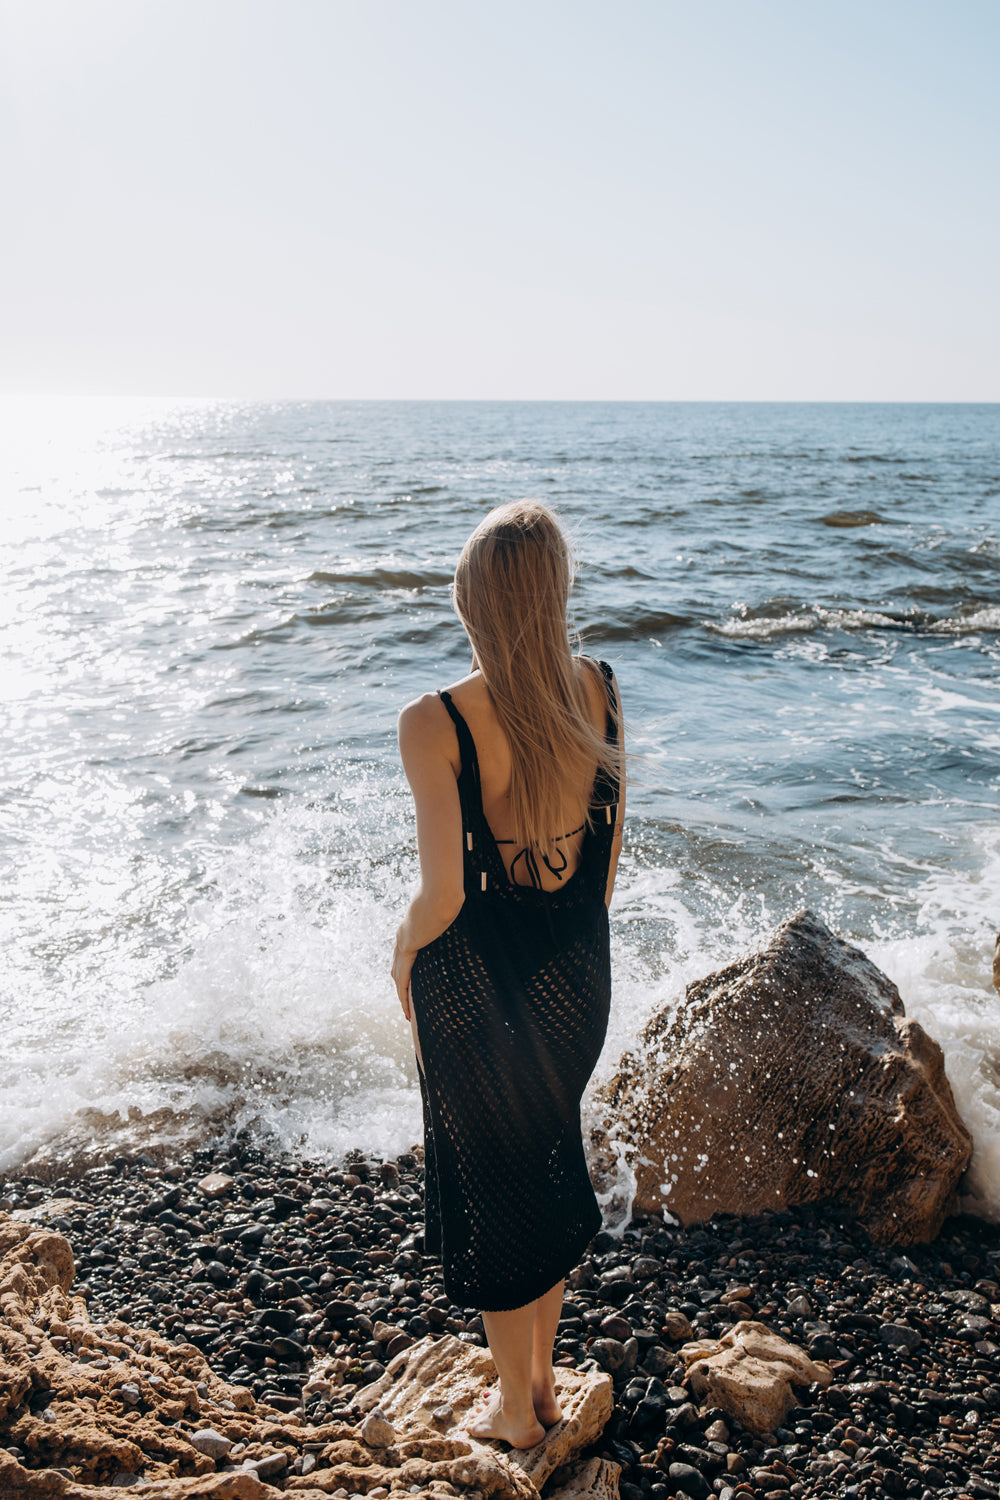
<point>472,699</point>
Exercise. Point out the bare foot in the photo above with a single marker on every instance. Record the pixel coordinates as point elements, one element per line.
<point>489,1422</point>
<point>546,1403</point>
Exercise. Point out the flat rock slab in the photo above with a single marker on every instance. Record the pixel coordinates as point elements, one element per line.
<point>51,1208</point>
<point>791,1077</point>
<point>435,1383</point>
<point>750,1373</point>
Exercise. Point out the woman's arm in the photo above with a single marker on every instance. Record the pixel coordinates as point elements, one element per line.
<point>427,748</point>
<point>616,842</point>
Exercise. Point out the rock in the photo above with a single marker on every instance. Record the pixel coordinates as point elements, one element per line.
<point>796,1074</point>
<point>51,1208</point>
<point>447,1372</point>
<point>687,1480</point>
<point>608,1352</point>
<point>211,1443</point>
<point>215,1185</point>
<point>270,1465</point>
<point>587,1479</point>
<point>83,1428</point>
<point>799,1307</point>
<point>900,1335</point>
<point>749,1373</point>
<point>376,1432</point>
<point>996,964</point>
<point>676,1326</point>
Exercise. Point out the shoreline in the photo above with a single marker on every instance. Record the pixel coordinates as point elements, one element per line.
<point>300,1282</point>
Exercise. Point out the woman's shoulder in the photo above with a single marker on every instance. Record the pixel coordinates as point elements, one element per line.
<point>599,678</point>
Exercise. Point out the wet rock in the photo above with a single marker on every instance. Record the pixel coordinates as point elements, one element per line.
<point>750,1373</point>
<point>900,1335</point>
<point>610,1353</point>
<point>676,1325</point>
<point>687,1480</point>
<point>858,1111</point>
<point>215,1185</point>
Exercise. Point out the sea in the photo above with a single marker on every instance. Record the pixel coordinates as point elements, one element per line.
<point>213,611</point>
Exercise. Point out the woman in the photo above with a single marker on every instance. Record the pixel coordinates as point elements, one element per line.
<point>501,962</point>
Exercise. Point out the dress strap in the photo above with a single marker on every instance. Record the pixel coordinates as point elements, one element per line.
<point>607,787</point>
<point>611,723</point>
<point>470,792</point>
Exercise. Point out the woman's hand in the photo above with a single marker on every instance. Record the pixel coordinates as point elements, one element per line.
<point>402,967</point>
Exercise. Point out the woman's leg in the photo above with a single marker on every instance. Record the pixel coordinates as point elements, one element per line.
<point>510,1416</point>
<point>548,1310</point>
<point>521,1344</point>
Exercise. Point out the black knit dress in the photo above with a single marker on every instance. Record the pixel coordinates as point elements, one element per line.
<point>512,1005</point>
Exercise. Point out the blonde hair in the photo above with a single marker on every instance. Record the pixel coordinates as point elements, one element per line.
<point>511,590</point>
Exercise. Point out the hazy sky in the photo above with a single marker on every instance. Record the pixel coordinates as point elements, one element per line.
<point>711,199</point>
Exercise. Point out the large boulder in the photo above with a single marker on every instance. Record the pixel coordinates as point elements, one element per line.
<point>789,1077</point>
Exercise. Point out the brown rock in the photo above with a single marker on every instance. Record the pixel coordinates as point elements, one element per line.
<point>91,1427</point>
<point>749,1372</point>
<point>795,1073</point>
<point>676,1325</point>
<point>586,1479</point>
<point>447,1373</point>
<point>41,1484</point>
<point>215,1185</point>
<point>376,1432</point>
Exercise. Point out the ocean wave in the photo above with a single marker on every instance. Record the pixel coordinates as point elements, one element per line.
<point>388,578</point>
<point>633,624</point>
<point>845,519</point>
<point>814,618</point>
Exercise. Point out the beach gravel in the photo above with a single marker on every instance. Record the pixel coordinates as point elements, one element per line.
<point>300,1284</point>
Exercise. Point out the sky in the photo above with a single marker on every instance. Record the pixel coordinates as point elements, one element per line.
<point>540,199</point>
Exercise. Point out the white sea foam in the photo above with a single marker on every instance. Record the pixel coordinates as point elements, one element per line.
<point>943,971</point>
<point>281,1017</point>
<point>761,627</point>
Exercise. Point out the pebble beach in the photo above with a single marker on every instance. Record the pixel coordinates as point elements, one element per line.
<point>300,1282</point>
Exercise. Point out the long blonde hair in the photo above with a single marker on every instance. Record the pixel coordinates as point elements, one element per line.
<point>511,591</point>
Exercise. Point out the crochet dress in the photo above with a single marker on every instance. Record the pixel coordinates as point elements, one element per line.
<point>512,1005</point>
